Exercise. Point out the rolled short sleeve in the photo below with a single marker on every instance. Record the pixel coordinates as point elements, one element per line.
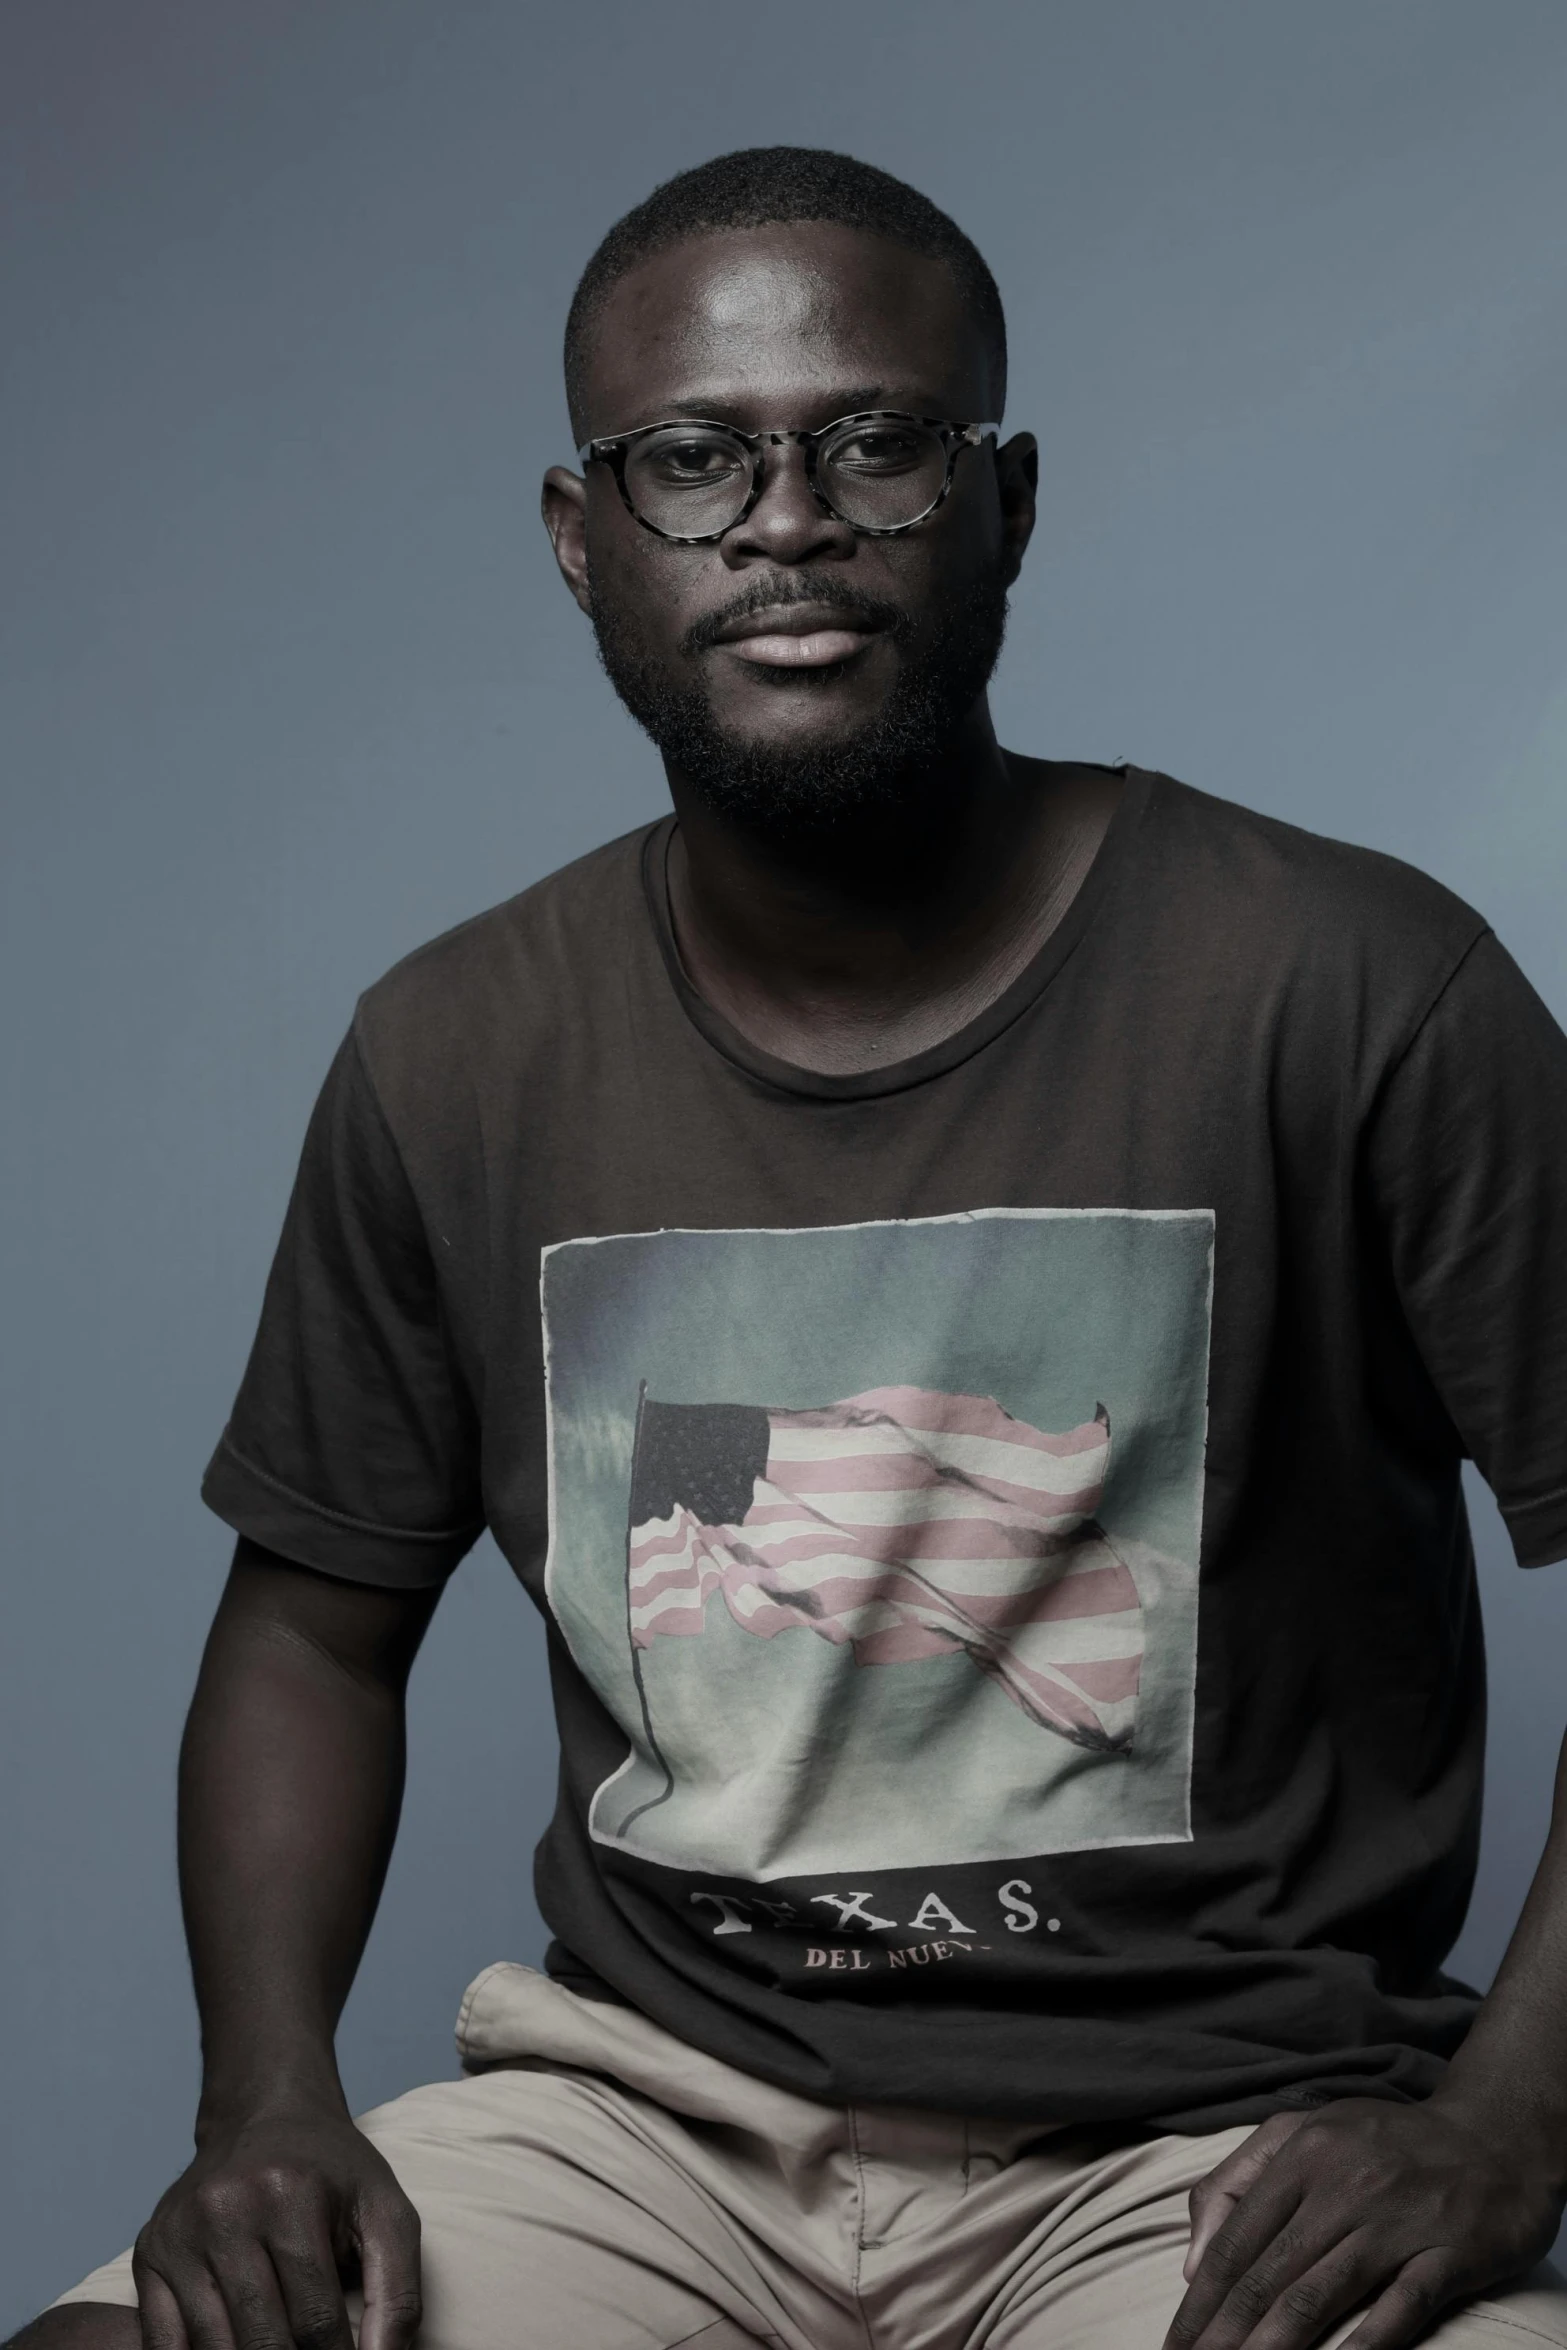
<point>353,1445</point>
<point>1468,1164</point>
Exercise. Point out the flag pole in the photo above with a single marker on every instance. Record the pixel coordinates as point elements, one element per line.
<point>653,1746</point>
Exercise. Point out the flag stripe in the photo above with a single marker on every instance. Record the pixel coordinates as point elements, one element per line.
<point>921,1502</point>
<point>879,1455</point>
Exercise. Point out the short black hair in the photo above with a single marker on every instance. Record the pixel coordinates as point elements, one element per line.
<point>759,185</point>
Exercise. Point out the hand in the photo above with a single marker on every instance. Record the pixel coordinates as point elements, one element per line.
<point>1405,2208</point>
<point>247,2249</point>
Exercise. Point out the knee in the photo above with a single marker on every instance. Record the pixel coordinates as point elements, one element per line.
<point>81,2325</point>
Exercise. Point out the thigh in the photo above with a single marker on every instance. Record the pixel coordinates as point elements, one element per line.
<point>1104,2271</point>
<point>1529,2316</point>
<point>556,2215</point>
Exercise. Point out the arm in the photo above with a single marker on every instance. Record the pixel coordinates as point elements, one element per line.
<point>291,1781</point>
<point>1407,2207</point>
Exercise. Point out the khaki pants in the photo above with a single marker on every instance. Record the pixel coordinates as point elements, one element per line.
<point>609,2188</point>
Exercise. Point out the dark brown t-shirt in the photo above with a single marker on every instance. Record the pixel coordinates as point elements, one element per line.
<point>1011,1610</point>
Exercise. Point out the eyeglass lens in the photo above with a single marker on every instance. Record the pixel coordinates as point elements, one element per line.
<point>693,480</point>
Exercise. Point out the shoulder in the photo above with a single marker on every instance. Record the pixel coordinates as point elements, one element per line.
<point>513,974</point>
<point>1278,897</point>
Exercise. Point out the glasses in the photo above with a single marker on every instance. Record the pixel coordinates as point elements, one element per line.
<point>880,471</point>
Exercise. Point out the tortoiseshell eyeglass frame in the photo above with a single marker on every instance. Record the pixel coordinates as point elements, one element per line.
<point>611,449</point>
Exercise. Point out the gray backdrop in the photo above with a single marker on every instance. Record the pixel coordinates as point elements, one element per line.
<point>290,685</point>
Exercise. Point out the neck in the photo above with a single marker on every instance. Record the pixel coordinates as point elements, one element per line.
<point>874,939</point>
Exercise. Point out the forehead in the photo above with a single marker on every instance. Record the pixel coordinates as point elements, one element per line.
<point>774,325</point>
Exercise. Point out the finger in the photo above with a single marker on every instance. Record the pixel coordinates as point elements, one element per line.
<point>1215,2197</point>
<point>1319,2295</point>
<point>162,2327</point>
<point>252,2295</point>
<point>389,2265</point>
<point>1422,2289</point>
<point>199,2309</point>
<point>1272,2305</point>
<point>1242,2243</point>
<point>311,2287</point>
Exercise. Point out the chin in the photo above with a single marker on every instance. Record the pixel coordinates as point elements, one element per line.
<point>798,785</point>
<point>831,709</point>
<point>797,754</point>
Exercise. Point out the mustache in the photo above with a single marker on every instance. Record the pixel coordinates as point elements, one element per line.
<point>794,587</point>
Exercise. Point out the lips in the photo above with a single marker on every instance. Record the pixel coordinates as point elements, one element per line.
<point>796,636</point>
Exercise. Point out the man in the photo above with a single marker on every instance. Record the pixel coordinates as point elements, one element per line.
<point>962,1285</point>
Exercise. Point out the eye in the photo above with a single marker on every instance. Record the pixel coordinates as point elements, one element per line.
<point>880,448</point>
<point>689,460</point>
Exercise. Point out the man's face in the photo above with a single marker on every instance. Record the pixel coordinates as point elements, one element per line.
<point>793,670</point>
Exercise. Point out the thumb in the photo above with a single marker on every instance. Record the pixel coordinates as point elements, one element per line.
<point>1215,2197</point>
<point>389,2271</point>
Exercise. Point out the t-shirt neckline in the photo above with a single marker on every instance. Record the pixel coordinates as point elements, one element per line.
<point>964,1042</point>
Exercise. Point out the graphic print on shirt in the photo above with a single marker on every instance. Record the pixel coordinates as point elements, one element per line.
<point>879,1542</point>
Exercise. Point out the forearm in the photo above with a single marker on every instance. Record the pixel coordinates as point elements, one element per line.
<point>290,1785</point>
<point>1514,2061</point>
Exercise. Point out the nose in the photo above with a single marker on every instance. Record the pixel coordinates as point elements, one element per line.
<point>788,523</point>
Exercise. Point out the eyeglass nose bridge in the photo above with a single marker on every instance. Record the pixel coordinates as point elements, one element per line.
<point>807,443</point>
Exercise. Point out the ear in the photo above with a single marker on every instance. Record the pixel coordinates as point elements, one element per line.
<point>1017,479</point>
<point>565,508</point>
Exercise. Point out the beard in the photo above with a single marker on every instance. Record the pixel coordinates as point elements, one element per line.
<point>793,794</point>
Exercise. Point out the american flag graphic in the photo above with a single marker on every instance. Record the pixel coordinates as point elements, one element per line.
<point>902,1523</point>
